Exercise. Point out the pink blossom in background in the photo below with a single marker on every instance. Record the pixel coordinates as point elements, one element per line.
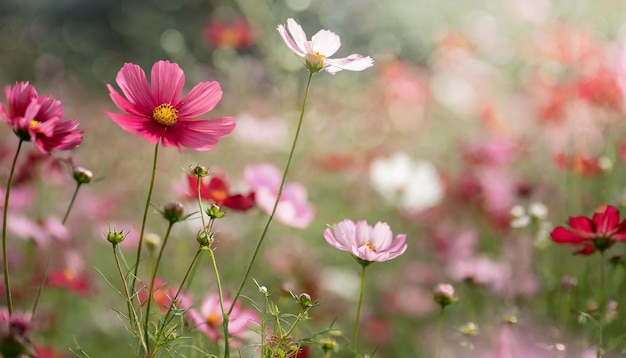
<point>158,113</point>
<point>261,132</point>
<point>482,271</point>
<point>293,208</point>
<point>163,295</point>
<point>39,119</point>
<point>208,320</point>
<point>42,231</point>
<point>315,52</point>
<point>368,243</point>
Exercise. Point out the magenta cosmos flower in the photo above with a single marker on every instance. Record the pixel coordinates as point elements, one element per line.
<point>38,119</point>
<point>293,208</point>
<point>598,233</point>
<point>367,243</point>
<point>323,44</point>
<point>158,113</point>
<point>208,320</point>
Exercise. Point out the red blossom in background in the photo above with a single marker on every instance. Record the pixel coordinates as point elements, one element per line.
<point>598,233</point>
<point>581,165</point>
<point>217,190</point>
<point>70,281</point>
<point>229,34</point>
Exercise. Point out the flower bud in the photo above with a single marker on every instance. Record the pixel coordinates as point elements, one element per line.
<point>204,239</point>
<point>173,212</point>
<point>199,171</point>
<point>444,294</point>
<point>469,329</point>
<point>153,241</point>
<point>115,237</point>
<point>82,175</point>
<point>329,345</point>
<point>304,300</point>
<point>214,212</point>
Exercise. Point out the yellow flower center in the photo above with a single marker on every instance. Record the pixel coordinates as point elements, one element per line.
<point>315,61</point>
<point>165,114</point>
<point>33,124</point>
<point>369,246</point>
<point>213,320</point>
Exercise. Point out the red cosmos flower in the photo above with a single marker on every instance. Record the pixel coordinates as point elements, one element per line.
<point>581,165</point>
<point>234,34</point>
<point>70,281</point>
<point>38,119</point>
<point>217,191</point>
<point>598,233</point>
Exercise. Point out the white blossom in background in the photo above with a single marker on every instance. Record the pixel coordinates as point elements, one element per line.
<point>412,185</point>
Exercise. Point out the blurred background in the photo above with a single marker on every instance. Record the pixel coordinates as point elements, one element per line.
<point>482,125</point>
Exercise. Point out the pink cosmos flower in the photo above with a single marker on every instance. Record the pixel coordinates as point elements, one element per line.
<point>366,242</point>
<point>315,52</point>
<point>293,208</point>
<point>208,319</point>
<point>38,119</point>
<point>158,114</point>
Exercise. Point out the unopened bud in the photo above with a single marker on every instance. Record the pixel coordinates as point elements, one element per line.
<point>304,300</point>
<point>205,239</point>
<point>115,237</point>
<point>469,329</point>
<point>329,345</point>
<point>173,212</point>
<point>199,171</point>
<point>153,241</point>
<point>82,175</point>
<point>444,294</point>
<point>214,212</point>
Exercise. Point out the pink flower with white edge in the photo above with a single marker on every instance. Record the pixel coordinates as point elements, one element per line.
<point>293,208</point>
<point>323,44</point>
<point>208,320</point>
<point>157,112</point>
<point>365,242</point>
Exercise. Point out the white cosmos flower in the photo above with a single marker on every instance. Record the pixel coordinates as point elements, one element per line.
<point>323,44</point>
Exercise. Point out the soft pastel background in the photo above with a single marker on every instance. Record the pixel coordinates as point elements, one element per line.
<point>471,109</point>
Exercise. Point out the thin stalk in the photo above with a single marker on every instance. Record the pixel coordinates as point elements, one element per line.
<point>7,281</point>
<point>358,311</point>
<point>145,216</point>
<point>438,338</point>
<point>602,306</point>
<point>151,291</point>
<point>50,250</point>
<point>280,192</point>
<point>69,207</point>
<point>128,298</point>
<point>269,220</point>
<point>180,288</point>
<point>225,316</point>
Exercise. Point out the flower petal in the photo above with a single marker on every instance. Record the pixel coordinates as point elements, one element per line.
<point>325,42</point>
<point>133,83</point>
<point>381,236</point>
<point>123,104</point>
<point>606,221</point>
<point>200,135</point>
<point>354,62</point>
<point>140,126</point>
<point>289,42</point>
<point>299,36</point>
<point>562,235</point>
<point>168,81</point>
<point>582,225</point>
<point>202,98</point>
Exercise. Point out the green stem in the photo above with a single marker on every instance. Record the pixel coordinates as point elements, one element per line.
<point>280,191</point>
<point>50,250</point>
<point>128,298</point>
<point>438,338</point>
<point>69,207</point>
<point>7,281</point>
<point>151,291</point>
<point>602,306</point>
<point>358,311</point>
<point>180,288</point>
<point>145,216</point>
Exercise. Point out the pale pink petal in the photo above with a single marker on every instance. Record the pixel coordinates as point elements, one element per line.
<point>353,62</point>
<point>168,81</point>
<point>381,236</point>
<point>133,83</point>
<point>262,175</point>
<point>345,233</point>
<point>325,42</point>
<point>202,98</point>
<point>332,240</point>
<point>299,36</point>
<point>139,126</point>
<point>200,135</point>
<point>363,233</point>
<point>289,42</point>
